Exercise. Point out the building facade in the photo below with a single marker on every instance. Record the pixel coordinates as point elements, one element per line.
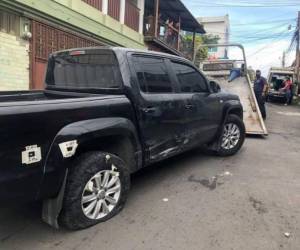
<point>32,29</point>
<point>170,27</point>
<point>14,54</point>
<point>217,26</point>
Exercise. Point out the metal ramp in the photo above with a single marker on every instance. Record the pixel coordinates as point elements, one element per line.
<point>219,71</point>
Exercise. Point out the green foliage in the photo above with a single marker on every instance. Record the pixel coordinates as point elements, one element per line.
<point>210,39</point>
<point>188,40</point>
<point>202,53</point>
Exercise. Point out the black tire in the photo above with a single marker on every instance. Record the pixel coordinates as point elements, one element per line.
<point>233,119</point>
<point>85,167</point>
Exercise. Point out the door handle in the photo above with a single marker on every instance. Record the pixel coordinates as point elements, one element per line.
<point>149,110</point>
<point>189,106</point>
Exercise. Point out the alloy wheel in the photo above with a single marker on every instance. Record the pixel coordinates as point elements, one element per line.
<point>231,136</point>
<point>101,194</point>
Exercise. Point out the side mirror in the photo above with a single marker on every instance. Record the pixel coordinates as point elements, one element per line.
<point>215,86</point>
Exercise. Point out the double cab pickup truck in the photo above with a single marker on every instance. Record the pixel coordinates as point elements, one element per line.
<point>105,113</point>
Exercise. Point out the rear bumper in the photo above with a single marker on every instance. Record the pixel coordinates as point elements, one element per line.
<point>277,96</point>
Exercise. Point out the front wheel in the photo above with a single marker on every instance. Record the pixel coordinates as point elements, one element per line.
<point>96,190</point>
<point>233,136</point>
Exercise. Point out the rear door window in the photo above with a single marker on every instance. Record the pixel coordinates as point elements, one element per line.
<point>152,74</point>
<point>190,80</point>
<point>82,70</point>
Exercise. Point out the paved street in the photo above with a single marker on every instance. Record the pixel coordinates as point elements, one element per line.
<point>193,202</point>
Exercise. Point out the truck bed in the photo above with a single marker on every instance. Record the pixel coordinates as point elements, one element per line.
<point>29,96</point>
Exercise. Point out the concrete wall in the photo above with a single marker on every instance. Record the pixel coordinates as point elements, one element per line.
<point>14,63</point>
<point>80,17</point>
<point>217,26</point>
<point>71,15</point>
<point>219,29</point>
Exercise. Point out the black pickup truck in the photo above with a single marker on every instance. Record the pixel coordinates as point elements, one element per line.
<point>104,114</point>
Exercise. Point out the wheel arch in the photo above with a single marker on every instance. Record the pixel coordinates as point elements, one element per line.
<point>121,145</point>
<point>117,135</point>
<point>236,111</point>
<point>230,107</point>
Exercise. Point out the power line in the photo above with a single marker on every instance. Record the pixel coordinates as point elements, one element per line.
<point>247,4</point>
<point>247,33</point>
<point>293,42</point>
<point>284,35</point>
<point>264,47</point>
<point>266,33</point>
<point>267,45</point>
<point>243,6</point>
<point>264,22</point>
<point>251,34</point>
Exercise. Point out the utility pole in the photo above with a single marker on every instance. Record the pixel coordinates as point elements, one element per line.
<point>156,17</point>
<point>298,51</point>
<point>283,59</point>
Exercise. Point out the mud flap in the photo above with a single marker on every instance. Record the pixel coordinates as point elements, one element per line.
<point>52,207</point>
<point>215,146</point>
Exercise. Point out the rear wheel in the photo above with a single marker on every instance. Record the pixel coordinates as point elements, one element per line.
<point>97,188</point>
<point>233,136</point>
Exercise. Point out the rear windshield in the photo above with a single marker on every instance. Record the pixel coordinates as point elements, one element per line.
<point>81,70</point>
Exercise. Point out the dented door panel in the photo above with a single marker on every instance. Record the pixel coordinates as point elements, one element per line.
<point>162,125</point>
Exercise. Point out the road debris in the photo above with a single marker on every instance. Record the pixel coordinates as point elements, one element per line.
<point>211,183</point>
<point>258,205</point>
<point>165,199</point>
<point>227,173</point>
<point>287,234</point>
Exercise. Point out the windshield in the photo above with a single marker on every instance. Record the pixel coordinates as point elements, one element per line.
<point>78,69</point>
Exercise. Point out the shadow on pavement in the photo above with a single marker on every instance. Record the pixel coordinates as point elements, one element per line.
<point>17,217</point>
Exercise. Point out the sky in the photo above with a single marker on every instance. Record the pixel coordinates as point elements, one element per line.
<point>265,28</point>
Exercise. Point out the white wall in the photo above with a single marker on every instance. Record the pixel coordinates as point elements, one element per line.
<point>217,26</point>
<point>14,63</point>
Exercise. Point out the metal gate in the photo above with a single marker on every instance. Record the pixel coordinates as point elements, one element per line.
<point>45,40</point>
<point>114,9</point>
<point>95,3</point>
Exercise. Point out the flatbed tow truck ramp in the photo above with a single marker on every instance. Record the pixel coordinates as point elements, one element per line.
<point>233,77</point>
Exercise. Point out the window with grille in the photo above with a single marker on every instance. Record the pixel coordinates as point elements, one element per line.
<point>9,23</point>
<point>95,3</point>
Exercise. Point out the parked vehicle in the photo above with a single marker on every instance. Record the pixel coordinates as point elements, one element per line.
<point>276,79</point>
<point>104,114</point>
<point>232,75</point>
